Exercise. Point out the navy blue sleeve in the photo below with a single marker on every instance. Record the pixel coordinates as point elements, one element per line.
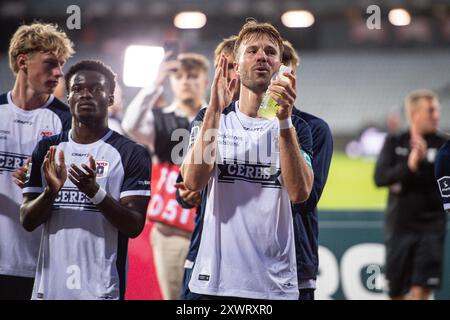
<point>194,129</point>
<point>322,151</point>
<point>195,126</point>
<point>180,200</point>
<point>63,113</point>
<point>304,138</point>
<point>137,173</point>
<point>442,173</point>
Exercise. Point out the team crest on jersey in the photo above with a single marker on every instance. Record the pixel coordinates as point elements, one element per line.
<point>102,168</point>
<point>444,186</point>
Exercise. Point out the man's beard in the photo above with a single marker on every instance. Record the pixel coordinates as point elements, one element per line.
<point>257,86</point>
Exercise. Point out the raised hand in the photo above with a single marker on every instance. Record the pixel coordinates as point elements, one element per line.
<point>418,152</point>
<point>165,68</point>
<point>283,92</point>
<point>55,173</point>
<point>20,174</point>
<point>222,89</point>
<point>85,180</point>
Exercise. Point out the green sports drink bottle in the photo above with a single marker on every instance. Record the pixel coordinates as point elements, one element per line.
<point>268,108</point>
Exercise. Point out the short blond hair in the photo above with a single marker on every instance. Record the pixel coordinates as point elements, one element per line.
<point>412,99</point>
<point>193,61</point>
<point>226,47</point>
<point>290,56</point>
<point>39,37</point>
<point>254,30</point>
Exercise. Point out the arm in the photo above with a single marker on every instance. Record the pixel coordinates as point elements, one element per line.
<point>199,163</point>
<point>127,215</point>
<point>323,151</point>
<point>138,120</point>
<point>36,208</point>
<point>297,174</point>
<point>186,198</point>
<point>387,171</point>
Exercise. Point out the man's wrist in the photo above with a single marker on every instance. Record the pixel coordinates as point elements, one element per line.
<point>99,196</point>
<point>50,193</point>
<point>94,190</point>
<point>285,123</point>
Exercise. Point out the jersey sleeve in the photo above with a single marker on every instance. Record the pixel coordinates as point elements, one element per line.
<point>35,181</point>
<point>304,137</point>
<point>442,172</point>
<point>137,173</point>
<point>195,126</point>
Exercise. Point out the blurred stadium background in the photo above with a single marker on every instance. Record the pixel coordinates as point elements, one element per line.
<point>353,77</point>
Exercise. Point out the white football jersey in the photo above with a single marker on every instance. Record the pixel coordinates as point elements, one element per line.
<point>82,255</point>
<point>247,247</point>
<point>20,131</point>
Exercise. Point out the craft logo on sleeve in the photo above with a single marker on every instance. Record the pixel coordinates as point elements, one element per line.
<point>102,168</point>
<point>444,186</point>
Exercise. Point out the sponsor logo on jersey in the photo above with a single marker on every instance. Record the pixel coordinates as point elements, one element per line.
<point>72,198</point>
<point>23,122</point>
<point>46,133</point>
<point>444,186</point>
<point>265,174</point>
<point>10,161</point>
<point>102,168</point>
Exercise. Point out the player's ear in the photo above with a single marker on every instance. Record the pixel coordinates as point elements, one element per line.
<point>21,62</point>
<point>110,100</point>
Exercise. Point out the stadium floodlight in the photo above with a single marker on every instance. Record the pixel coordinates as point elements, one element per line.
<point>141,65</point>
<point>190,20</point>
<point>399,17</point>
<point>298,19</point>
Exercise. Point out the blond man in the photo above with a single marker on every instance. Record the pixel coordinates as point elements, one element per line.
<point>29,112</point>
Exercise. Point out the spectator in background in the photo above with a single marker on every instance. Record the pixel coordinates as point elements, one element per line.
<point>153,127</point>
<point>415,223</point>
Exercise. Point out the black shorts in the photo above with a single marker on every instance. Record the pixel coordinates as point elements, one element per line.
<point>414,260</point>
<point>15,288</point>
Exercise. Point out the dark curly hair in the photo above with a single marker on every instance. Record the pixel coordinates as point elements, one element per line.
<point>92,65</point>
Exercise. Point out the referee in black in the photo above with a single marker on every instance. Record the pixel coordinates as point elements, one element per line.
<point>415,222</point>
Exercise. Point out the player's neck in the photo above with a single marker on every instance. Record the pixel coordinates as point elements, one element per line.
<point>190,108</point>
<point>87,133</point>
<point>415,131</point>
<point>25,97</point>
<point>249,102</point>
